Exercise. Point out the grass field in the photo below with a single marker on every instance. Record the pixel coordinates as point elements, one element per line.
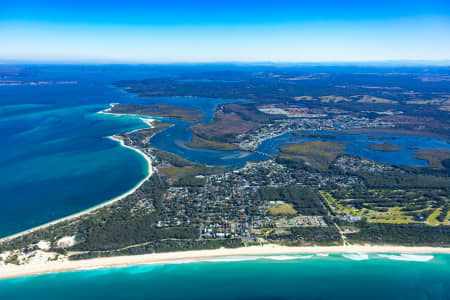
<point>282,209</point>
<point>432,219</point>
<point>383,206</point>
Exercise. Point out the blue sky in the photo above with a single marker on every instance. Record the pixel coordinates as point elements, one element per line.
<point>209,31</point>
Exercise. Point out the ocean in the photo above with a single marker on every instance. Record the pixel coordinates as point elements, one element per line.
<point>55,158</point>
<point>348,276</point>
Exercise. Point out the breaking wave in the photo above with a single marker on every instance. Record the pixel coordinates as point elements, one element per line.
<point>356,256</point>
<point>408,257</point>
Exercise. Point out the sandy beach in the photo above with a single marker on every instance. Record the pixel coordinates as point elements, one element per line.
<point>90,210</point>
<point>44,266</point>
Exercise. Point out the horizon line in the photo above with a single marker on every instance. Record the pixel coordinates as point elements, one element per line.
<point>392,62</point>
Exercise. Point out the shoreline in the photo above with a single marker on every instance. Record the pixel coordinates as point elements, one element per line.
<point>217,255</point>
<point>393,131</point>
<point>107,202</point>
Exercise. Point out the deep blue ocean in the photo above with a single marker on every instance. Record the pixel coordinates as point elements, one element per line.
<point>55,159</point>
<point>306,277</point>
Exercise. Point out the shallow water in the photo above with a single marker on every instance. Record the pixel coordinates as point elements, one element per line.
<point>275,277</point>
<point>54,157</point>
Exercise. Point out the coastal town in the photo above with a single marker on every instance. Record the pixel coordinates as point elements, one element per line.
<point>305,119</point>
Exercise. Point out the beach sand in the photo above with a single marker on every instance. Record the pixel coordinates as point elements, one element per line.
<point>44,266</point>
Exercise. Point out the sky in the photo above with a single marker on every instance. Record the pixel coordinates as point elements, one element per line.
<point>224,31</point>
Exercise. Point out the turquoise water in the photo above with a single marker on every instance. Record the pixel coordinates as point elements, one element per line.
<point>280,277</point>
<point>54,157</point>
<point>56,161</point>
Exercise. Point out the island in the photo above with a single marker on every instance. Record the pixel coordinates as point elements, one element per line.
<point>318,154</point>
<point>380,137</point>
<point>198,142</point>
<point>384,147</point>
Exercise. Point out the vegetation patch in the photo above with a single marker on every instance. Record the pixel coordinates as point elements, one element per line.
<point>160,110</point>
<point>371,99</point>
<point>281,208</point>
<point>307,98</point>
<point>394,206</point>
<point>432,219</point>
<point>436,158</point>
<point>420,101</point>
<point>385,147</point>
<point>333,98</point>
<point>314,135</point>
<point>305,201</point>
<point>317,154</point>
<point>12,259</point>
<point>230,121</point>
<point>380,137</point>
<point>201,143</point>
<point>405,234</point>
<point>303,236</point>
<point>175,171</point>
